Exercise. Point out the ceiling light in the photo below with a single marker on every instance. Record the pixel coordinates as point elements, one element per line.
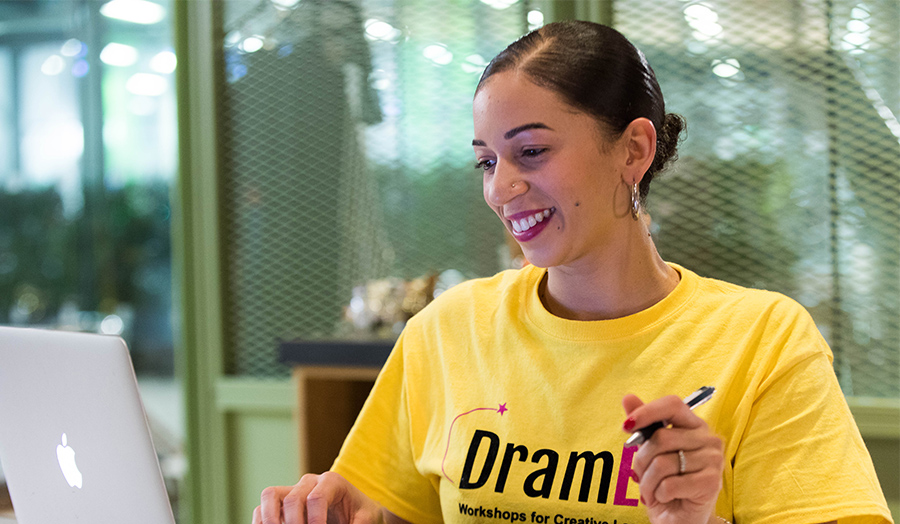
<point>120,55</point>
<point>164,62</point>
<point>499,4</point>
<point>251,44</point>
<point>438,54</point>
<point>53,65</point>
<point>727,68</point>
<point>135,11</point>
<point>146,84</point>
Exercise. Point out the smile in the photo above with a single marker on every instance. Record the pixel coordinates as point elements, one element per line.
<point>527,226</point>
<point>524,224</point>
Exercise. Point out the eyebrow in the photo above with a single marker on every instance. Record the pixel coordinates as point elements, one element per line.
<point>515,131</point>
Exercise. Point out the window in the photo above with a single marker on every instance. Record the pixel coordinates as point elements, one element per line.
<point>87,159</point>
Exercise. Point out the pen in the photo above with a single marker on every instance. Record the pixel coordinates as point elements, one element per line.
<point>693,400</point>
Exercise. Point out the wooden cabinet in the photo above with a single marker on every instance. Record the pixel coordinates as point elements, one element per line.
<point>332,380</point>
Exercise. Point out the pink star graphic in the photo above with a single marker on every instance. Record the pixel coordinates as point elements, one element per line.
<point>502,409</point>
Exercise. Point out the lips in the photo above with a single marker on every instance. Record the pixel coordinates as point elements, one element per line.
<point>527,224</point>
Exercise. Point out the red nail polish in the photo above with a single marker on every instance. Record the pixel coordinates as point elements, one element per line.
<point>635,478</point>
<point>642,500</point>
<point>629,424</point>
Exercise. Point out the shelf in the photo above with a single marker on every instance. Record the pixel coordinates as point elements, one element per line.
<point>333,380</point>
<point>332,353</point>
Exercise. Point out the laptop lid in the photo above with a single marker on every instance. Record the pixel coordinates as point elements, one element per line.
<point>75,445</point>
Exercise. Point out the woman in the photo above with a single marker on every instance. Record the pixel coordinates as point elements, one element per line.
<point>501,400</point>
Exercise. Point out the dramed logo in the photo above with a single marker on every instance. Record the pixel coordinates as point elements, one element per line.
<point>544,468</point>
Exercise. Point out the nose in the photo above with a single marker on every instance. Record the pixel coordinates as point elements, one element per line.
<point>503,185</point>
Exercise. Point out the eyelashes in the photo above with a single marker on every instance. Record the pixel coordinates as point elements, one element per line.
<point>484,165</point>
<point>527,154</point>
<point>532,152</point>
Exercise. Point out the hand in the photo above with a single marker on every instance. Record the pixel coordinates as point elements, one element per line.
<point>673,497</point>
<point>318,499</point>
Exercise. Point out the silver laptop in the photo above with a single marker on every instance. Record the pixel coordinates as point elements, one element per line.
<point>74,440</point>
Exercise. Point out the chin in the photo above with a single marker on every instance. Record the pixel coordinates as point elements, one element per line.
<point>542,260</point>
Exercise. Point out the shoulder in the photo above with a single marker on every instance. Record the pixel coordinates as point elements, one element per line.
<point>767,318</point>
<point>746,302</point>
<point>472,305</point>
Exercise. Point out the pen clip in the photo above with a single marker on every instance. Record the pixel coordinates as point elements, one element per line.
<point>700,396</point>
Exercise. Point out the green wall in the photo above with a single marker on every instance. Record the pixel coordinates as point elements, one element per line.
<point>261,436</point>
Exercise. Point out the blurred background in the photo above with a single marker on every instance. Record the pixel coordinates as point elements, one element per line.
<point>210,179</point>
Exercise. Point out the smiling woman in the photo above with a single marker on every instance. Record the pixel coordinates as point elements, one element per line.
<point>570,128</point>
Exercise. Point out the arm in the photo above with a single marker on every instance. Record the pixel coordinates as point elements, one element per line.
<point>315,498</point>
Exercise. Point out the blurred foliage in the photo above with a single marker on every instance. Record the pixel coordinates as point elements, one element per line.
<point>93,264</point>
<point>37,256</point>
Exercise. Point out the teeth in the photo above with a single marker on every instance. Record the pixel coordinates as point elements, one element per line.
<point>527,223</point>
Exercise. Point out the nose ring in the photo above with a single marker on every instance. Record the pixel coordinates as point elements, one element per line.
<point>513,185</point>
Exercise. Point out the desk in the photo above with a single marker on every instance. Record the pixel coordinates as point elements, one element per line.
<point>333,380</point>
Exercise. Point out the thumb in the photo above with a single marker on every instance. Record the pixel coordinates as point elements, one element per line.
<point>630,403</point>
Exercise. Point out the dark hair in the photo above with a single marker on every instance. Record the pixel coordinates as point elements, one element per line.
<point>597,70</point>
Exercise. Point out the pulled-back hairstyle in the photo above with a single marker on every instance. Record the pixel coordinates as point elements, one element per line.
<point>596,70</point>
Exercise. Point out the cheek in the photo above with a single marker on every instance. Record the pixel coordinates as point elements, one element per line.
<point>486,194</point>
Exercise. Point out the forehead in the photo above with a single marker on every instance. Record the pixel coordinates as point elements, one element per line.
<point>509,99</point>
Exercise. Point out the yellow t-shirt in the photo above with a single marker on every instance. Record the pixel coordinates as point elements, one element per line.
<point>491,409</point>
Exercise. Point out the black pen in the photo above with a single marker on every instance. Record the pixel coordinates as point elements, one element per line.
<point>693,400</point>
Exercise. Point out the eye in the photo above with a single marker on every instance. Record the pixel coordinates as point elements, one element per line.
<point>485,165</point>
<point>532,152</point>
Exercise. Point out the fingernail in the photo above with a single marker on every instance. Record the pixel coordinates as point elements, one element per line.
<point>642,500</point>
<point>629,424</point>
<point>635,478</point>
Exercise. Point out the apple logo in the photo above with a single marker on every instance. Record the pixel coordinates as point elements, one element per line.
<point>66,457</point>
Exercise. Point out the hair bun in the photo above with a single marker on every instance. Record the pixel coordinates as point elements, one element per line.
<point>667,140</point>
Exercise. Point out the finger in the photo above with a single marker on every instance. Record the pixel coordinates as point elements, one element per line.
<point>257,515</point>
<point>327,494</point>
<point>631,403</point>
<point>659,468</point>
<point>270,501</point>
<point>669,409</point>
<point>295,502</point>
<point>665,469</point>
<point>700,488</point>
<point>670,440</point>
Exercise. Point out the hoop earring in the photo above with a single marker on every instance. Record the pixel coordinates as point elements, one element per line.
<point>635,202</point>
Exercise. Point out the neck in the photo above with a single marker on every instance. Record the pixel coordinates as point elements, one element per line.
<point>618,283</point>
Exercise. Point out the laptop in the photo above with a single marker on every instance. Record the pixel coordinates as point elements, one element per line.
<point>75,445</point>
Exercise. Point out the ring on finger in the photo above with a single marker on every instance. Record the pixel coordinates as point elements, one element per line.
<point>682,462</point>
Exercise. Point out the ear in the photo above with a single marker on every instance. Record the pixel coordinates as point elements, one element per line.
<point>639,140</point>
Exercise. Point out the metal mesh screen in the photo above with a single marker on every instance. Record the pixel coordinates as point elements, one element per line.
<point>345,138</point>
<point>346,158</point>
<point>790,177</point>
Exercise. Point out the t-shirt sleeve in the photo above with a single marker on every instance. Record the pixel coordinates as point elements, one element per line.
<point>802,459</point>
<point>378,455</point>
